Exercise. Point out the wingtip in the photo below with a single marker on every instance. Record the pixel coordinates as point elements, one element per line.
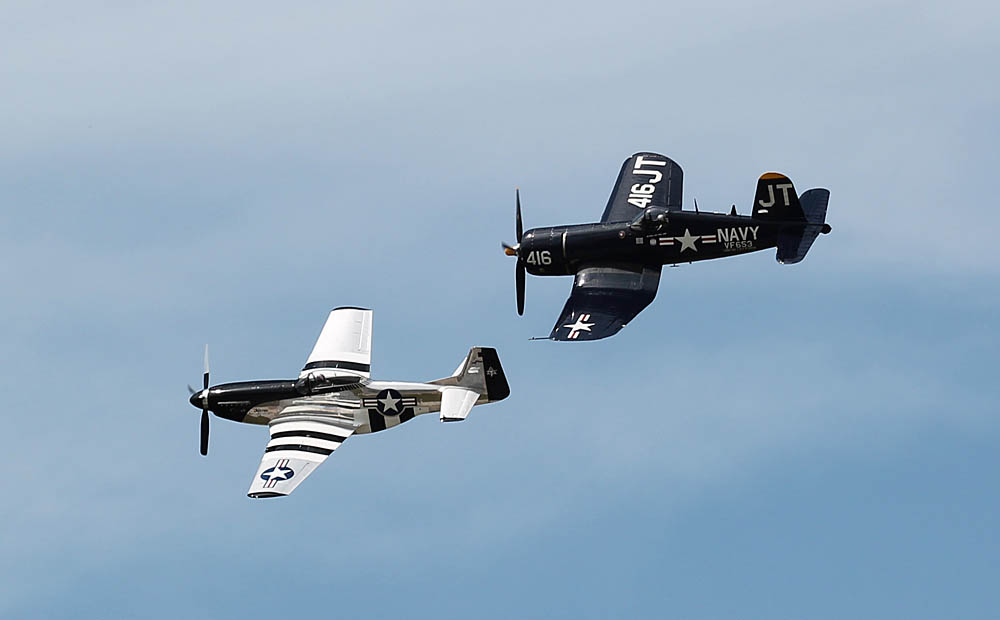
<point>265,495</point>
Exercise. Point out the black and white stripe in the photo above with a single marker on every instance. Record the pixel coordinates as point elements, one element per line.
<point>338,364</point>
<point>311,437</point>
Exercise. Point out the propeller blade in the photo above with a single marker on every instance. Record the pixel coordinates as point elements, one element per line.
<point>191,390</point>
<point>520,229</point>
<point>205,376</point>
<point>204,407</point>
<point>204,432</point>
<point>520,288</point>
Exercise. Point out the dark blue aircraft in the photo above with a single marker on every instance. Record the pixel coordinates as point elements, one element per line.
<point>617,261</point>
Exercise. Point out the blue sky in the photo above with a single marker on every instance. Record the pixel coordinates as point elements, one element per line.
<point>764,441</point>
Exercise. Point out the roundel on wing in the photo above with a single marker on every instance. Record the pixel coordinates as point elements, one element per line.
<point>276,473</point>
<point>389,402</point>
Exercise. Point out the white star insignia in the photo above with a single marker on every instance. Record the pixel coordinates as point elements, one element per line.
<point>579,326</point>
<point>687,241</point>
<point>389,403</point>
<point>277,474</point>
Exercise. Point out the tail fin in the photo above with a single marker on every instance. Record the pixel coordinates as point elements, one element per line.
<point>776,199</point>
<point>480,372</point>
<point>793,244</point>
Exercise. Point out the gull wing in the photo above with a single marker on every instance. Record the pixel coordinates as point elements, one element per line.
<point>604,299</point>
<point>344,344</point>
<point>299,443</point>
<point>646,180</point>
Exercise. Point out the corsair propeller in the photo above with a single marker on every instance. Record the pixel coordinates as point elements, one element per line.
<point>512,250</point>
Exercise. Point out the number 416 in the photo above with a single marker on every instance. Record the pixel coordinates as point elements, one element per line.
<point>539,257</point>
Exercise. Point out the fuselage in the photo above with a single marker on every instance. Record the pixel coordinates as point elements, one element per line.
<point>684,237</point>
<point>259,402</point>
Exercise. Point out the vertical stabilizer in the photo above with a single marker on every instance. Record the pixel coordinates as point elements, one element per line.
<point>481,372</point>
<point>776,199</point>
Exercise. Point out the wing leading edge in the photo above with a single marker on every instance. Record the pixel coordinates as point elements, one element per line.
<point>604,299</point>
<point>646,180</point>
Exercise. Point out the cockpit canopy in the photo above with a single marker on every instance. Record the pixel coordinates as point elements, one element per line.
<point>651,219</point>
<point>315,383</point>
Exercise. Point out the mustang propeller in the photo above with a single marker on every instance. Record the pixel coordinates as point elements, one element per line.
<point>202,399</point>
<point>513,250</point>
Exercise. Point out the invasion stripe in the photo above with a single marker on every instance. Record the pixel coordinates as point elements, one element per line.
<point>299,448</point>
<point>313,434</point>
<point>303,441</point>
<point>337,364</point>
<point>282,426</point>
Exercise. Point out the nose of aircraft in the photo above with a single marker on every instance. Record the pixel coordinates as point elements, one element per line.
<point>196,399</point>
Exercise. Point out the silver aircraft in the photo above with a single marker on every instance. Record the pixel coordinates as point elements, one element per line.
<point>334,398</point>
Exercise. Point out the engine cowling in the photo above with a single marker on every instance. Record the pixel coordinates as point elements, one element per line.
<point>543,253</point>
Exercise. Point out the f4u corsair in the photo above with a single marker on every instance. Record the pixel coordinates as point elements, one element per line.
<point>334,398</point>
<point>617,261</point>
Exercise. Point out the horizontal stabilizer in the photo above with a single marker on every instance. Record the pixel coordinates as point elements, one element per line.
<point>794,244</point>
<point>456,403</point>
<point>814,203</point>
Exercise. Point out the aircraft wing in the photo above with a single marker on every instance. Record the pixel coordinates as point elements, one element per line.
<point>299,443</point>
<point>345,343</point>
<point>604,299</point>
<point>646,180</point>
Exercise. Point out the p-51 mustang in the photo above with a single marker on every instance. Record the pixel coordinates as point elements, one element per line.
<point>617,261</point>
<point>334,398</point>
